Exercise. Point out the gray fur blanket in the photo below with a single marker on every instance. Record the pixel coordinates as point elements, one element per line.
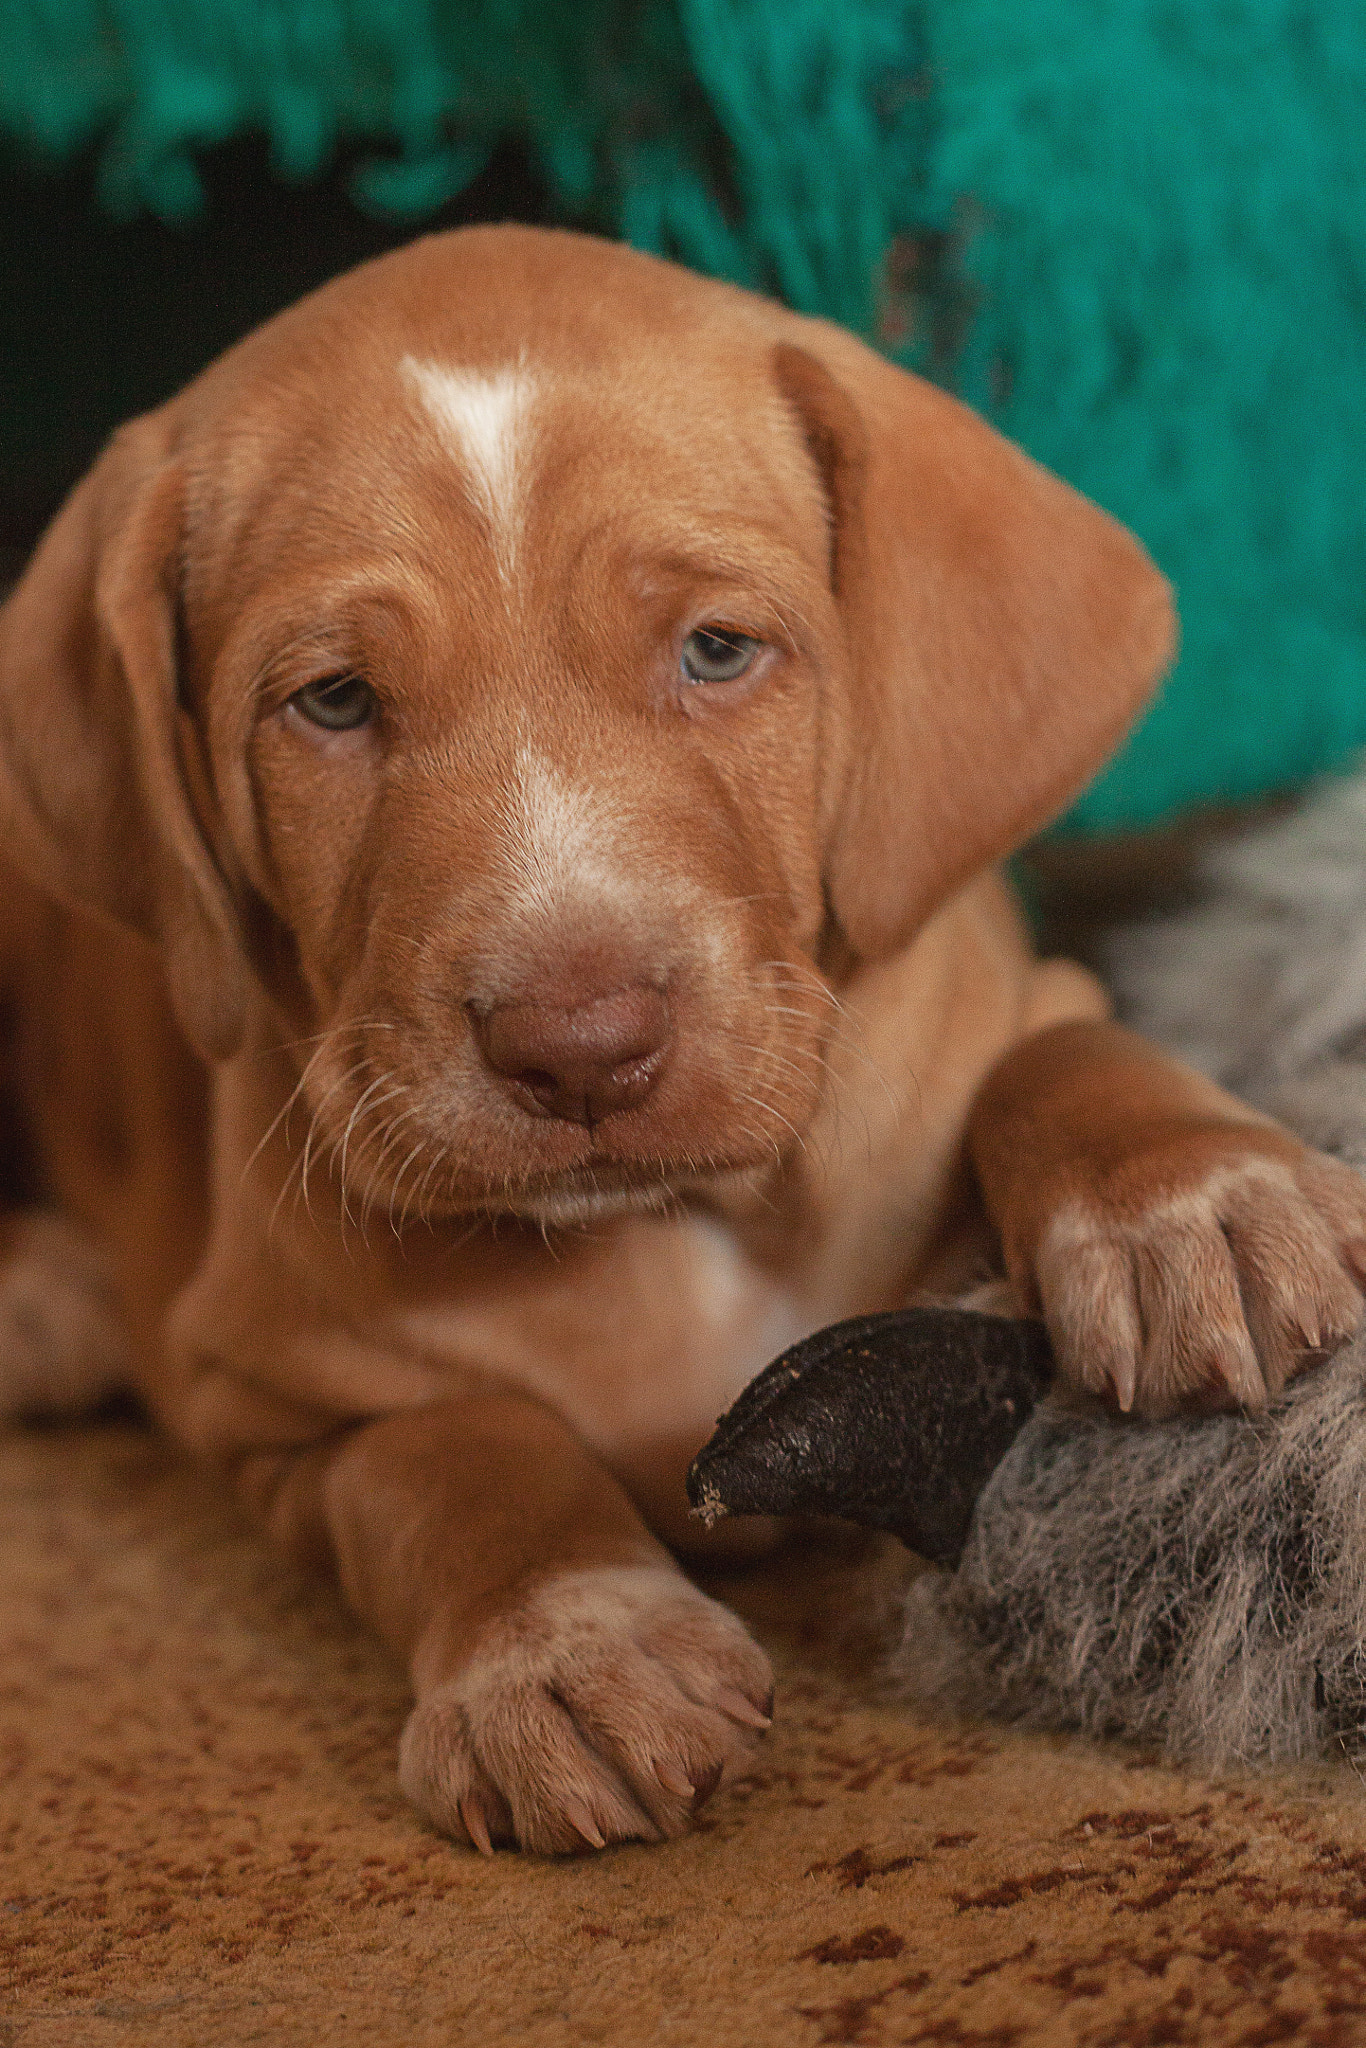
<point>1198,1584</point>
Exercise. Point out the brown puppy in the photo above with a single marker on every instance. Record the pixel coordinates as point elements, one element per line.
<point>507,767</point>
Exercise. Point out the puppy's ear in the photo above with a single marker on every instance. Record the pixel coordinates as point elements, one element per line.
<point>93,788</point>
<point>1003,632</point>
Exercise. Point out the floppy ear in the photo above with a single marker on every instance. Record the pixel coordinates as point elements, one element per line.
<point>1003,633</point>
<point>94,746</point>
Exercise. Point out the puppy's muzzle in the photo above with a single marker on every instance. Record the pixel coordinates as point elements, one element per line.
<point>581,1063</point>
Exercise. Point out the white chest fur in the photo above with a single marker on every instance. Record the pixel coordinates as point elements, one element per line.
<point>640,1352</point>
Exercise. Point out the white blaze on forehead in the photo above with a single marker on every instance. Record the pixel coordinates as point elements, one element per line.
<point>484,416</point>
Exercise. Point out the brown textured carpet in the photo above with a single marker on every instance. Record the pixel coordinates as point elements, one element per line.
<point>201,1839</point>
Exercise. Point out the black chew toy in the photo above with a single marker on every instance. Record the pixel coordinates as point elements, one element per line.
<point>896,1421</point>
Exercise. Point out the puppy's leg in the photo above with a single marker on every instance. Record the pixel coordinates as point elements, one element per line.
<point>1187,1252</point>
<point>573,1688</point>
<point>62,1342</point>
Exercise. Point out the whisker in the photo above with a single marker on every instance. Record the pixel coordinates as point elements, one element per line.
<point>440,1156</point>
<point>320,1041</point>
<point>315,1121</point>
<point>388,1136</point>
<point>767,1109</point>
<point>788,1058</point>
<point>392,1134</point>
<point>358,1067</point>
<point>342,1145</point>
<point>333,1031</point>
<point>285,1186</point>
<point>412,1207</point>
<point>372,1111</point>
<point>811,983</point>
<point>845,1096</point>
<point>282,1115</point>
<point>416,1153</point>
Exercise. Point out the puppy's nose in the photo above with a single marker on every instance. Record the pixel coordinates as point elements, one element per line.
<point>582,1063</point>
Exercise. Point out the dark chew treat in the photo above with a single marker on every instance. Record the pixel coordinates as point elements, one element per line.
<point>896,1421</point>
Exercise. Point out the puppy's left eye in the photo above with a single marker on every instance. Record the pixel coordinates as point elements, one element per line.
<point>713,656</point>
<point>340,703</point>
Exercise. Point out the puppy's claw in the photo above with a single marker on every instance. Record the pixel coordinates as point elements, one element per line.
<point>582,1822</point>
<point>1123,1374</point>
<point>674,1778</point>
<point>1236,1363</point>
<point>589,1714</point>
<point>476,1826</point>
<point>733,1703</point>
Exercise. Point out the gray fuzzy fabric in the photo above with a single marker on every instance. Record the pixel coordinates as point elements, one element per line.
<point>1262,983</point>
<point>1201,1585</point>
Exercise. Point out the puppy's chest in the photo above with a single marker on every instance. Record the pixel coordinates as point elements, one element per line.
<point>639,1341</point>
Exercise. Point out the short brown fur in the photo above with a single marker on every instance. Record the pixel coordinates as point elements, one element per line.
<point>455,1343</point>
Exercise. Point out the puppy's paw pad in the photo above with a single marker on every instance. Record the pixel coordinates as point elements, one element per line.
<point>606,1708</point>
<point>62,1343</point>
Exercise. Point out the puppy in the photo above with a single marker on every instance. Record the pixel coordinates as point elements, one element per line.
<point>503,775</point>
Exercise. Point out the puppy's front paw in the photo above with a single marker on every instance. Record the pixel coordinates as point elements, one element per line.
<point>604,1709</point>
<point>1205,1271</point>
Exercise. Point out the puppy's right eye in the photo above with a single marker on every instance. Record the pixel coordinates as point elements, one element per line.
<point>340,703</point>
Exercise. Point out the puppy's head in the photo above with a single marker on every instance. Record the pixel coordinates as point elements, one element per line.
<point>525,666</point>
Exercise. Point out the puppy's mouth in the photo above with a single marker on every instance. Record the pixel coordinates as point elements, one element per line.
<point>422,1127</point>
<point>549,1174</point>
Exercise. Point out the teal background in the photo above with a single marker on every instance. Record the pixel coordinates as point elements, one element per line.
<point>1130,231</point>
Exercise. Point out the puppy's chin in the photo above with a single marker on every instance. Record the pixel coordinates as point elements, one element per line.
<point>572,1207</point>
<point>581,1199</point>
<point>568,1208</point>
<point>560,1178</point>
